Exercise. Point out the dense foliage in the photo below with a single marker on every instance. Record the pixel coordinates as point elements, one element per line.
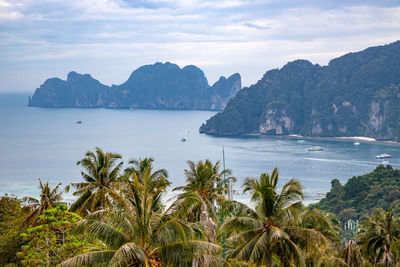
<point>159,86</point>
<point>279,230</point>
<point>379,238</point>
<point>127,221</point>
<point>49,242</point>
<point>357,94</point>
<point>361,194</point>
<point>12,214</point>
<point>142,232</point>
<point>49,198</point>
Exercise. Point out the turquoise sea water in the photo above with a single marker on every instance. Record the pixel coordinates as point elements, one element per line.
<point>47,143</point>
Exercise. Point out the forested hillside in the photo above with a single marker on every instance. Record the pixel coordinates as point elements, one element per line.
<point>361,194</point>
<point>357,94</point>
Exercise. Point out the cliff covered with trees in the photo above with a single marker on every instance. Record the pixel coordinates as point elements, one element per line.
<point>361,194</point>
<point>357,94</point>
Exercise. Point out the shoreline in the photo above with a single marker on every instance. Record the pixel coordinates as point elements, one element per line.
<point>361,139</point>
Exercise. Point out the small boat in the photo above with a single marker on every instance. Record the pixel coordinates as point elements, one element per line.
<point>315,148</point>
<point>183,140</point>
<point>356,143</point>
<point>79,122</point>
<point>300,141</point>
<point>383,156</point>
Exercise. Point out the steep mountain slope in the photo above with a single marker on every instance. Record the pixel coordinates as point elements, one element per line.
<point>158,86</point>
<point>356,94</point>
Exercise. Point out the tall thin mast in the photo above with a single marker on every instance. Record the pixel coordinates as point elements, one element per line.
<point>230,193</point>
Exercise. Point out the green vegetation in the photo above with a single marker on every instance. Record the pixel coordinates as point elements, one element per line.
<point>204,181</point>
<point>143,232</point>
<point>12,214</point>
<point>361,194</point>
<point>101,180</point>
<point>379,238</point>
<point>355,95</point>
<point>49,198</point>
<point>279,230</point>
<point>49,242</point>
<point>126,221</point>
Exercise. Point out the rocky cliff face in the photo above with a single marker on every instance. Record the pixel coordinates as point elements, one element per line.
<point>356,94</point>
<point>157,86</point>
<point>77,91</point>
<point>220,93</point>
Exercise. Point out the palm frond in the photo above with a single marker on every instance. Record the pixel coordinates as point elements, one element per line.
<point>127,255</point>
<point>95,258</point>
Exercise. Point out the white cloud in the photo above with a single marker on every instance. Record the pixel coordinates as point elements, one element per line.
<point>10,16</point>
<point>4,4</point>
<point>221,37</point>
<point>8,12</point>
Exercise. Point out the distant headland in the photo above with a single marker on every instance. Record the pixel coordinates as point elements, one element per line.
<point>357,94</point>
<point>157,86</point>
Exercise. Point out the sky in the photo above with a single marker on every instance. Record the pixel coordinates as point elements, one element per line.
<point>40,39</point>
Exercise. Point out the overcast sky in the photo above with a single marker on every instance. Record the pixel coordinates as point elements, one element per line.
<point>40,39</point>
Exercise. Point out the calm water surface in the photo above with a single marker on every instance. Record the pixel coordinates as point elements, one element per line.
<point>47,143</point>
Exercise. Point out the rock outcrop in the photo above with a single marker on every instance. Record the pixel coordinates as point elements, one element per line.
<point>157,86</point>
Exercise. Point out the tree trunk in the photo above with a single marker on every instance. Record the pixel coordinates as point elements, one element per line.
<point>47,253</point>
<point>211,228</point>
<point>208,222</point>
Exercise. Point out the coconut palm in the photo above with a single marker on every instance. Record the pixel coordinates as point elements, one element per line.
<point>329,261</point>
<point>205,180</point>
<point>379,236</point>
<point>101,181</point>
<point>352,255</point>
<point>49,198</point>
<point>142,232</point>
<point>143,170</point>
<point>327,227</point>
<point>277,229</point>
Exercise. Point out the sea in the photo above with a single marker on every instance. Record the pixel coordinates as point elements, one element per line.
<point>46,143</point>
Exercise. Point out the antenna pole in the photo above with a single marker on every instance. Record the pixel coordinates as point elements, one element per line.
<point>230,193</point>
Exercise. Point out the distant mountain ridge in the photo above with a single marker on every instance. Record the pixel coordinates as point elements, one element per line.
<point>357,94</point>
<point>157,86</point>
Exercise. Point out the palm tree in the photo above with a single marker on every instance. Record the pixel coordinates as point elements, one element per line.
<point>49,198</point>
<point>325,225</point>
<point>206,181</point>
<point>329,261</point>
<point>378,237</point>
<point>102,178</point>
<point>143,170</point>
<point>278,230</point>
<point>142,232</point>
<point>352,255</point>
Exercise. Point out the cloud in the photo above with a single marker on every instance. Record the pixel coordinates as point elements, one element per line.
<point>258,27</point>
<point>10,16</point>
<point>4,4</point>
<point>8,12</point>
<point>111,37</point>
